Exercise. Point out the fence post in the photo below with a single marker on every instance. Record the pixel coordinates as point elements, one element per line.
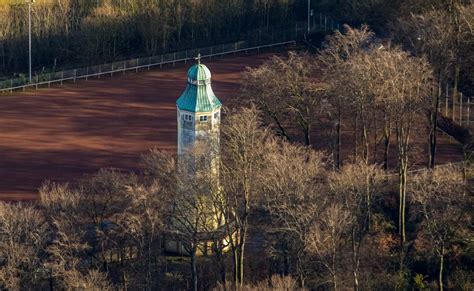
<point>210,55</point>
<point>186,57</point>
<point>452,105</point>
<point>87,73</point>
<point>161,63</point>
<point>11,86</point>
<point>36,82</point>
<point>62,77</point>
<point>174,58</point>
<point>235,49</point>
<point>468,110</point>
<point>75,75</point>
<point>49,83</point>
<point>223,49</point>
<point>112,71</point>
<point>100,71</point>
<point>296,31</point>
<point>460,109</point>
<point>149,63</point>
<point>325,23</point>
<point>124,67</point>
<point>136,67</point>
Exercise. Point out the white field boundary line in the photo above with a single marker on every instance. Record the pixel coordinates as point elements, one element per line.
<point>136,68</point>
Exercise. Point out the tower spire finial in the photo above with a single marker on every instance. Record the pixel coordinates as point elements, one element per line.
<point>198,58</point>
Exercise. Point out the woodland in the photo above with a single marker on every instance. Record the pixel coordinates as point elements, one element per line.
<point>76,33</point>
<point>297,217</point>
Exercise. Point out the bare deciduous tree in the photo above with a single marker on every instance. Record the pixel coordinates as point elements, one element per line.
<point>243,147</point>
<point>357,186</point>
<point>292,184</point>
<point>444,36</point>
<point>339,49</point>
<point>285,87</point>
<point>439,198</point>
<point>326,237</point>
<point>70,245</point>
<point>406,94</point>
<point>24,235</point>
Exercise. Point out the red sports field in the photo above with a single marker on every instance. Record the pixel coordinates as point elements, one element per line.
<point>64,132</point>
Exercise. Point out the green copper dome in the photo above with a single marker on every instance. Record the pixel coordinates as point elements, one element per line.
<point>199,72</point>
<point>198,95</point>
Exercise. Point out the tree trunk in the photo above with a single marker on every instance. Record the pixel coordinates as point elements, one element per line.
<point>467,154</point>
<point>274,116</point>
<point>306,135</point>
<point>306,122</point>
<point>241,254</point>
<point>387,135</point>
<point>334,272</point>
<point>355,138</point>
<point>355,263</point>
<point>385,152</point>
<point>402,174</point>
<point>300,270</point>
<point>369,204</point>
<point>235,259</point>
<point>218,250</point>
<point>441,267</point>
<point>457,70</point>
<point>403,183</point>
<point>194,270</point>
<point>403,271</point>
<point>338,139</point>
<point>243,229</point>
<point>286,264</point>
<point>402,141</point>
<point>51,283</point>
<point>223,272</point>
<point>434,126</point>
<point>366,143</point>
<point>375,136</point>
<point>365,135</point>
<point>149,267</point>
<point>281,129</point>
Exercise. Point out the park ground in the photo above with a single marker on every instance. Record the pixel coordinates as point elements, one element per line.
<point>65,132</point>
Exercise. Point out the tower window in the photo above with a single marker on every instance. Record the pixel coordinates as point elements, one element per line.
<point>216,115</point>
<point>203,118</point>
<point>188,117</point>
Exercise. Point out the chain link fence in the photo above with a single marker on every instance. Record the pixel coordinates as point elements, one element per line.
<point>456,106</point>
<point>258,39</point>
<point>132,65</point>
<point>262,39</point>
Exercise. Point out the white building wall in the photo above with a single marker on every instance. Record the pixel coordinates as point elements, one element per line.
<point>194,126</point>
